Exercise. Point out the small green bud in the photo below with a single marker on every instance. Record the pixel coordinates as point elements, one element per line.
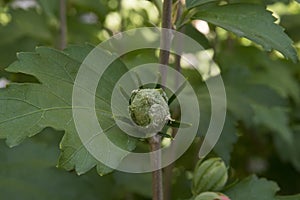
<point>211,196</point>
<point>211,175</point>
<point>149,109</point>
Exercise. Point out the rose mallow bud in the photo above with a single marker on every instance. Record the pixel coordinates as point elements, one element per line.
<point>149,109</point>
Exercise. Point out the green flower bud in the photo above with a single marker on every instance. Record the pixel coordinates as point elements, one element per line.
<point>211,175</point>
<point>211,196</point>
<point>149,109</point>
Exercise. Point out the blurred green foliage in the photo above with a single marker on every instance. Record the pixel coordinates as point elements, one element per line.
<point>262,130</point>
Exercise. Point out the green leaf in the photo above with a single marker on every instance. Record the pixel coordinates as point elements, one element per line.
<point>252,22</point>
<point>24,23</point>
<point>20,44</point>
<point>292,25</point>
<point>241,98</point>
<point>253,188</point>
<point>80,33</point>
<point>192,32</point>
<point>276,1</point>
<point>242,67</point>
<point>249,74</point>
<point>276,119</point>
<point>49,7</point>
<point>289,152</point>
<point>228,138</point>
<point>279,77</point>
<point>293,197</point>
<point>194,3</point>
<point>28,172</point>
<point>264,2</point>
<point>99,7</point>
<point>30,107</point>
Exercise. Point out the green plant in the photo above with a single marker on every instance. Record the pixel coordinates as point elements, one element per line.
<point>261,131</point>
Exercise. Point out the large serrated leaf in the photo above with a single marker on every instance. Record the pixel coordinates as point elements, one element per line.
<point>253,188</point>
<point>28,108</point>
<point>253,22</point>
